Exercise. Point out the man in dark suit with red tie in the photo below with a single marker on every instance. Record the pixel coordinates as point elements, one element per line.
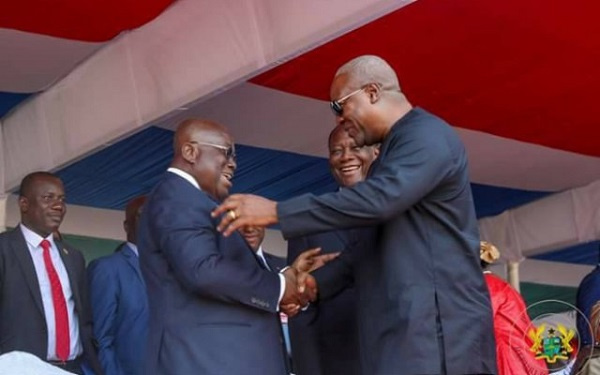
<point>43,292</point>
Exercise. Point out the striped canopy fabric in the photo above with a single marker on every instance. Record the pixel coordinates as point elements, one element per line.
<point>42,41</point>
<point>99,89</point>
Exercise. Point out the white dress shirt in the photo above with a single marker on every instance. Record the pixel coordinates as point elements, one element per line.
<point>35,250</point>
<point>133,248</point>
<point>188,177</point>
<point>193,181</point>
<point>261,255</point>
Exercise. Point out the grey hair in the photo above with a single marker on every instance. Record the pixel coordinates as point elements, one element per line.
<point>370,69</point>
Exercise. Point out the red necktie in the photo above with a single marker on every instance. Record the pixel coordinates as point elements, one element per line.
<point>61,318</point>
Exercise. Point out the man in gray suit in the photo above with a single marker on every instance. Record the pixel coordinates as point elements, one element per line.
<point>423,305</point>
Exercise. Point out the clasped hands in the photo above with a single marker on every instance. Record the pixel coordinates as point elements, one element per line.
<point>241,210</point>
<point>300,285</point>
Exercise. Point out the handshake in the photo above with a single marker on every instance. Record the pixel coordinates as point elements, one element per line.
<point>300,285</point>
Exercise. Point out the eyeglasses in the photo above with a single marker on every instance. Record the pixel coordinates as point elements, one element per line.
<point>229,151</point>
<point>337,106</point>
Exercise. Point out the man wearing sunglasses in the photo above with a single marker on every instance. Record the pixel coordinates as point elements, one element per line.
<point>423,304</point>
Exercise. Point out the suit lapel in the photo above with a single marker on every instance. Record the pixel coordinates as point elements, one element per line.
<point>132,260</point>
<point>236,236</point>
<point>269,265</point>
<point>239,237</point>
<point>258,260</point>
<point>21,250</point>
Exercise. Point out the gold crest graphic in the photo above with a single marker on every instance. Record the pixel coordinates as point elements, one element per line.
<point>551,344</point>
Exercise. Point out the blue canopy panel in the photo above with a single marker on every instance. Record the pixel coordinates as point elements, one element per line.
<point>112,176</point>
<point>586,253</point>
<point>493,200</point>
<point>10,100</point>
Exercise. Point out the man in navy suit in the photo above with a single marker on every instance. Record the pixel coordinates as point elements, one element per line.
<point>423,306</point>
<point>119,303</point>
<point>325,336</point>
<point>213,304</point>
<point>44,307</point>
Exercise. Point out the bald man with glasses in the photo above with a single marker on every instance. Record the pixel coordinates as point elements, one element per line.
<point>214,306</point>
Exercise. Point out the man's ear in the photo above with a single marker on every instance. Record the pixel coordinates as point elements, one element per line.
<point>189,152</point>
<point>376,150</point>
<point>23,204</point>
<point>374,92</point>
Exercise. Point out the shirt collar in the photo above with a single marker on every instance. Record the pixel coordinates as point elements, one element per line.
<point>185,175</point>
<point>34,239</point>
<point>260,252</point>
<point>133,248</point>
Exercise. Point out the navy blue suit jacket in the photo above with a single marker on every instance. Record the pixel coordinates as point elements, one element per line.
<point>423,304</point>
<point>325,336</point>
<point>212,304</point>
<point>275,262</point>
<point>119,310</point>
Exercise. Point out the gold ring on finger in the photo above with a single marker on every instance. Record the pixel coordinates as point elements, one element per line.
<point>232,214</point>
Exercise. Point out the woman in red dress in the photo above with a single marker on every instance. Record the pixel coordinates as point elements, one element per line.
<point>511,323</point>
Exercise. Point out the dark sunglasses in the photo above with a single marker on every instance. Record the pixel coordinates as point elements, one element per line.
<point>229,151</point>
<point>337,106</point>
